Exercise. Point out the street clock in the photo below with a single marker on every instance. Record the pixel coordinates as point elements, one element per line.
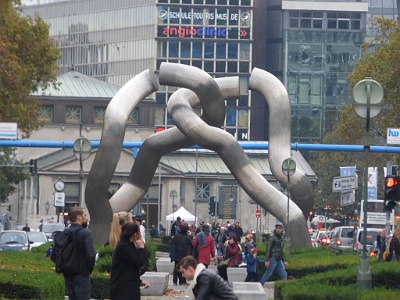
<point>59,185</point>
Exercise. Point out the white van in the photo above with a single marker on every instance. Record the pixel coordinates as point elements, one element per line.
<point>372,233</point>
<point>342,239</point>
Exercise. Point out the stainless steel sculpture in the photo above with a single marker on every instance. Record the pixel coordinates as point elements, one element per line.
<point>197,87</point>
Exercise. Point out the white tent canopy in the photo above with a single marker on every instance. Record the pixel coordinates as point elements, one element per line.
<point>183,213</point>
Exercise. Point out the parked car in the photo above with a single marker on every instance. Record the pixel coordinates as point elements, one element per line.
<point>312,237</point>
<point>318,238</point>
<point>371,238</point>
<point>50,228</point>
<point>342,239</point>
<point>14,240</point>
<point>36,238</point>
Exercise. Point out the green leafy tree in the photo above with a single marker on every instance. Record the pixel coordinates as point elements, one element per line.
<point>11,173</point>
<point>382,65</point>
<point>27,62</point>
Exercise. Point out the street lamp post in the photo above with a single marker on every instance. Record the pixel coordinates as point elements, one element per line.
<point>82,150</point>
<point>173,194</point>
<point>288,168</point>
<point>368,102</point>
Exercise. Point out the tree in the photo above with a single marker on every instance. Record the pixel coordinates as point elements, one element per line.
<point>27,62</point>
<point>11,173</point>
<point>383,65</point>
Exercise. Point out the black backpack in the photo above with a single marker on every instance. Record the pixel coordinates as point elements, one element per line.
<point>65,251</point>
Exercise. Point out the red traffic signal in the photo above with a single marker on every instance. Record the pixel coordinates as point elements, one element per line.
<point>391,182</point>
<point>392,191</point>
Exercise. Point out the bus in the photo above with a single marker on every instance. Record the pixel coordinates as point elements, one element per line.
<point>376,215</point>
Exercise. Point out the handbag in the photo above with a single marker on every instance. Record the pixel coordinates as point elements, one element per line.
<point>225,262</point>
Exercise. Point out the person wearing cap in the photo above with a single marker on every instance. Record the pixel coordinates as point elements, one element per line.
<point>274,257</point>
<point>138,220</point>
<point>252,261</point>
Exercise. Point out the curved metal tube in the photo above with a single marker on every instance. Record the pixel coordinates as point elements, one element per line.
<point>201,88</point>
<point>255,185</point>
<point>279,127</point>
<point>159,144</point>
<point>108,153</point>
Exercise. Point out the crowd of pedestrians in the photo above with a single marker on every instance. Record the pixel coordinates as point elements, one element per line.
<point>193,250</point>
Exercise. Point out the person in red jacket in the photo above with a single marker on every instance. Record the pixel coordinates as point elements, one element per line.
<point>204,244</point>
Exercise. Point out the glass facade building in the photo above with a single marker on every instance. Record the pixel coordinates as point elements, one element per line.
<point>320,42</point>
<point>311,46</point>
<point>115,40</point>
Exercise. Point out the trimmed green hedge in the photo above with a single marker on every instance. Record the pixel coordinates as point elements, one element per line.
<point>313,274</point>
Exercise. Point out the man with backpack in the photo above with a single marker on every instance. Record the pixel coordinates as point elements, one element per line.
<point>76,243</point>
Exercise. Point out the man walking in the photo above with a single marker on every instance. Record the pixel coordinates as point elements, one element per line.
<point>220,239</point>
<point>274,257</point>
<point>205,284</point>
<point>238,231</point>
<point>78,285</point>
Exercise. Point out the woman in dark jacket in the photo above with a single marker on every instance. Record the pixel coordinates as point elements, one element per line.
<point>233,253</point>
<point>129,256</point>
<point>394,247</point>
<point>183,247</point>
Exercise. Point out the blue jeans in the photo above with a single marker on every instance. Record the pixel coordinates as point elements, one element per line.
<point>220,252</point>
<point>78,286</point>
<point>274,264</point>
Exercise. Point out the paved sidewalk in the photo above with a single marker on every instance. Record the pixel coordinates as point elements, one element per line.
<point>181,291</point>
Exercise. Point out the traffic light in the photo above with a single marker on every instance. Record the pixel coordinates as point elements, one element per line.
<point>312,215</point>
<point>211,206</point>
<point>9,207</point>
<point>392,191</point>
<point>33,167</point>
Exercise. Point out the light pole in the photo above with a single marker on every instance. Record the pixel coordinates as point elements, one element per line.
<point>82,151</point>
<point>173,195</point>
<point>288,168</point>
<point>368,102</point>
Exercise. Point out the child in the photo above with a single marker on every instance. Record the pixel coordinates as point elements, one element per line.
<point>252,261</point>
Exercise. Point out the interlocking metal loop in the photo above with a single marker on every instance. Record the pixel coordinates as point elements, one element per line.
<point>197,88</point>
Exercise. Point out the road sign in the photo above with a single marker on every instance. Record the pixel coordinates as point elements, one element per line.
<point>393,136</point>
<point>347,198</point>
<point>59,199</point>
<point>344,183</point>
<point>258,213</point>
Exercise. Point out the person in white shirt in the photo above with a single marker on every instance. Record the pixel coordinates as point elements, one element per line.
<point>138,220</point>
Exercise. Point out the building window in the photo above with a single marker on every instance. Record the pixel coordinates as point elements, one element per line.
<point>71,191</point>
<point>114,187</point>
<point>73,114</point>
<point>203,190</point>
<point>306,123</point>
<point>99,114</point>
<point>133,118</point>
<point>46,113</point>
<point>159,117</point>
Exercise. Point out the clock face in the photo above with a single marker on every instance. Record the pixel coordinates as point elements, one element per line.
<point>59,185</point>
